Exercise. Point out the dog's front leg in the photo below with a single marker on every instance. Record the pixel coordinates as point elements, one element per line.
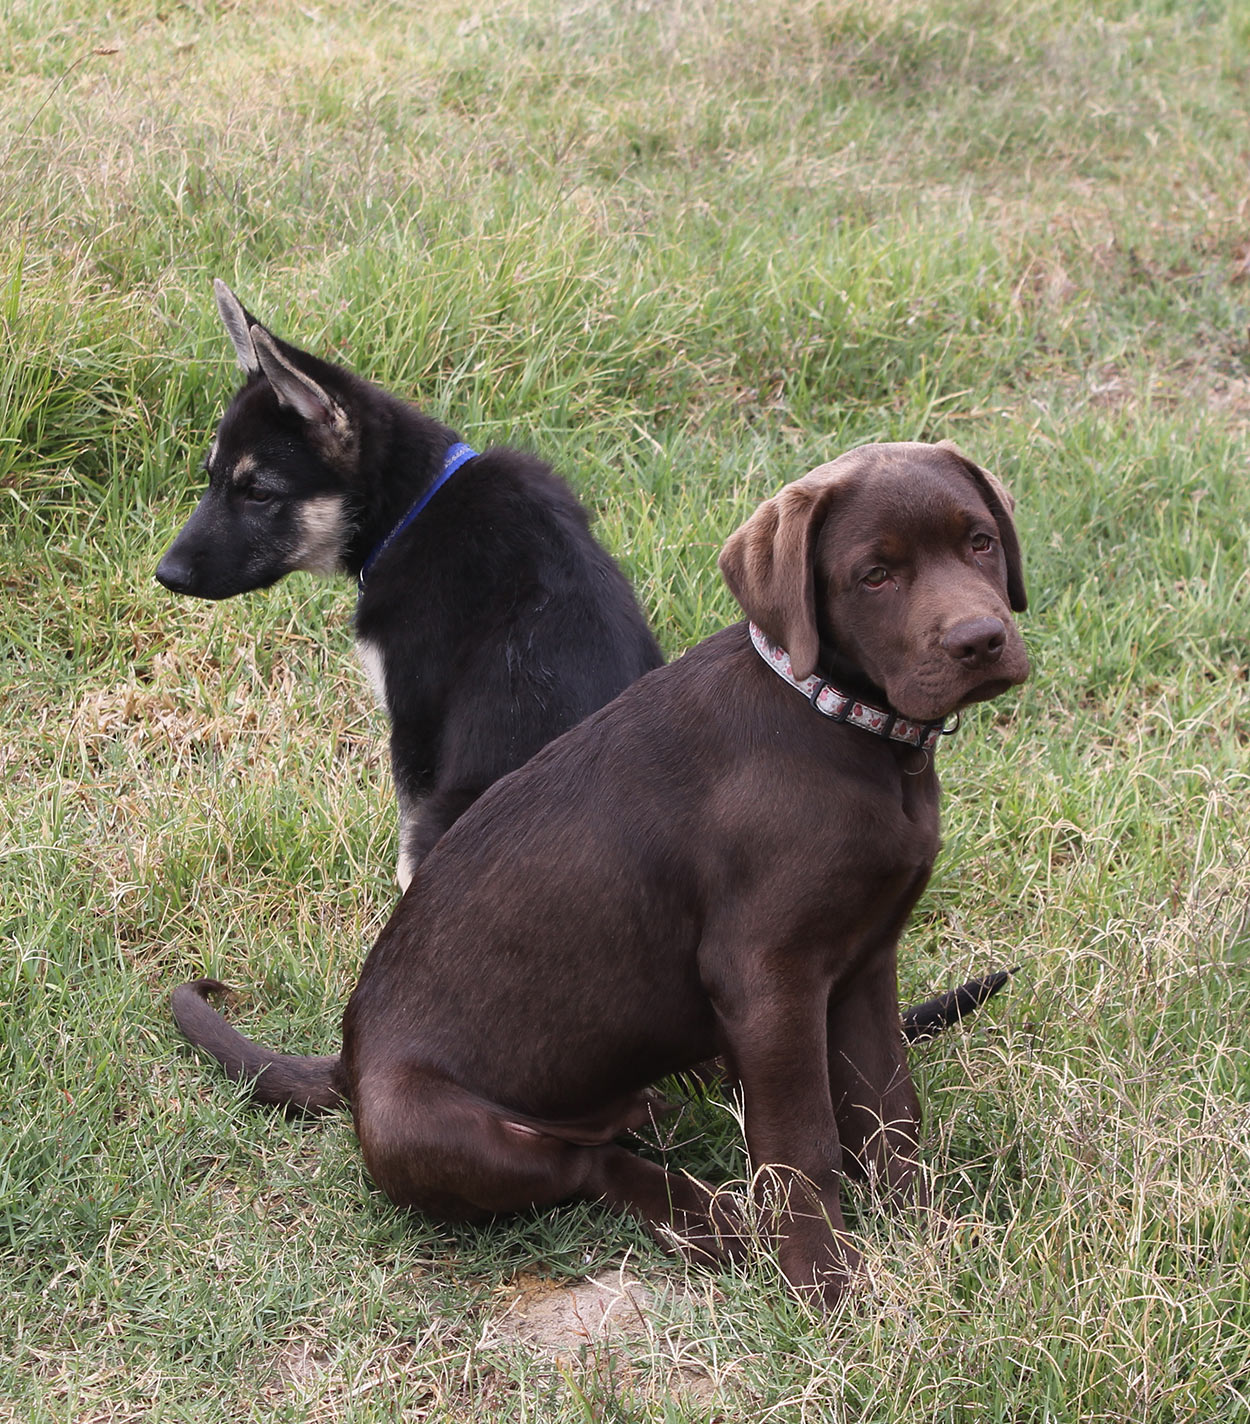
<point>874,1100</point>
<point>423,817</point>
<point>777,1040</point>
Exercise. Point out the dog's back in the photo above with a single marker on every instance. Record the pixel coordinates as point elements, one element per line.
<point>517,626</point>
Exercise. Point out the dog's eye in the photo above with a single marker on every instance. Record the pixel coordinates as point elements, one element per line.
<point>982,543</point>
<point>875,577</point>
<point>257,496</point>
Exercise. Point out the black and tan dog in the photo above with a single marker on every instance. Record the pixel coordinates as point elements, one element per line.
<point>489,619</point>
<point>720,862</point>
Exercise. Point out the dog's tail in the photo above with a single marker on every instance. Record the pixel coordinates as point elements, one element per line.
<point>309,1085</point>
<point>934,1015</point>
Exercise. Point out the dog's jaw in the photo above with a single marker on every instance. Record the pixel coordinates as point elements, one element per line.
<point>987,691</point>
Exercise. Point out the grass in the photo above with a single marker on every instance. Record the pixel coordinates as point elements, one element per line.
<point>687,252</point>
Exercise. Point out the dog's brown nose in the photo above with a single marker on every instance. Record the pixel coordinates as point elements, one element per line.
<point>976,643</point>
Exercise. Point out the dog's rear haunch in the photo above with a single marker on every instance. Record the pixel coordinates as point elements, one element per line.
<point>719,862</point>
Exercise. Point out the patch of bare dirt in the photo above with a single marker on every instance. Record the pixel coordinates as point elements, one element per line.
<point>606,1324</point>
<point>561,1317</point>
<point>298,1366</point>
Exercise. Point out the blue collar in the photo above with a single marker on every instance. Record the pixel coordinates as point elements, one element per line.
<point>457,455</point>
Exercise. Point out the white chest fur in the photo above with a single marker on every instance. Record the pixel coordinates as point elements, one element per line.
<point>370,656</point>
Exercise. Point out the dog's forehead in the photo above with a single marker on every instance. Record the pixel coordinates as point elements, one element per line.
<point>888,463</point>
<point>253,409</point>
<point>247,424</point>
<point>905,476</point>
<point>893,499</point>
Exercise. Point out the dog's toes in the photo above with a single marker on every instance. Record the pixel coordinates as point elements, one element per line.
<point>703,1245</point>
<point>824,1278</point>
<point>713,1236</point>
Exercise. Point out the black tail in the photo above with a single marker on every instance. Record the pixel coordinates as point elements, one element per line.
<point>934,1015</point>
<point>310,1085</point>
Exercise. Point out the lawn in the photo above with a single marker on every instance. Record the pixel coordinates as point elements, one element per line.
<point>686,251</point>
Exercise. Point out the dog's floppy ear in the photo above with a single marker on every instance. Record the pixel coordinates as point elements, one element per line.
<point>238,323</point>
<point>769,565</point>
<point>299,391</point>
<point>1001,505</point>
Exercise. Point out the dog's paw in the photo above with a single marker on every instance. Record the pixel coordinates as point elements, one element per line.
<point>714,1236</point>
<point>822,1278</point>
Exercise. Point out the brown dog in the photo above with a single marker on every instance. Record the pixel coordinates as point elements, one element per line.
<point>707,866</point>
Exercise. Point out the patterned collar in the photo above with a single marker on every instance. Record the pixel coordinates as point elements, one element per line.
<point>839,707</point>
<point>456,455</point>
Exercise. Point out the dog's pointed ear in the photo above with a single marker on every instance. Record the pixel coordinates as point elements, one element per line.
<point>1001,504</point>
<point>238,323</point>
<point>769,564</point>
<point>295,389</point>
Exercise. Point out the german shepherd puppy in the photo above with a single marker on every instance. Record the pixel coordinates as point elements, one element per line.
<point>489,620</point>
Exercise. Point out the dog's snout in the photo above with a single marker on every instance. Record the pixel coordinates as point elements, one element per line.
<point>174,572</point>
<point>977,642</point>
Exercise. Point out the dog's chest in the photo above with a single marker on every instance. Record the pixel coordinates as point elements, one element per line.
<point>919,799</point>
<point>371,660</point>
<point>918,817</point>
<point>887,826</point>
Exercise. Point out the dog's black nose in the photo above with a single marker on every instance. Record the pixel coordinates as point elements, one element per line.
<point>976,643</point>
<point>175,573</point>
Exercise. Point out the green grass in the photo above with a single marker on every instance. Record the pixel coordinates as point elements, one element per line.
<point>687,252</point>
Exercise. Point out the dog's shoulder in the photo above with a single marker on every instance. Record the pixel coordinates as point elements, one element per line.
<point>533,529</point>
<point>523,487</point>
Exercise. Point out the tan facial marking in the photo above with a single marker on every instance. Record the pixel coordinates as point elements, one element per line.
<point>323,526</point>
<point>244,469</point>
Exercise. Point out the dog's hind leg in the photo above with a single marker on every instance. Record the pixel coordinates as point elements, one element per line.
<point>432,1146</point>
<point>685,1215</point>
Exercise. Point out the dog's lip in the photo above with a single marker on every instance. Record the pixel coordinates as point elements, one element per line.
<point>984,691</point>
<point>981,692</point>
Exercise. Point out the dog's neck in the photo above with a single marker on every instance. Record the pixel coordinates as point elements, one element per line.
<point>848,706</point>
<point>456,454</point>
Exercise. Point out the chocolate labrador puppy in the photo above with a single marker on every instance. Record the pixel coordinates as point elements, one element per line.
<point>719,862</point>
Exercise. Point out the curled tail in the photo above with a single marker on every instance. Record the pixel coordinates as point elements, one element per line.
<point>934,1015</point>
<point>310,1085</point>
